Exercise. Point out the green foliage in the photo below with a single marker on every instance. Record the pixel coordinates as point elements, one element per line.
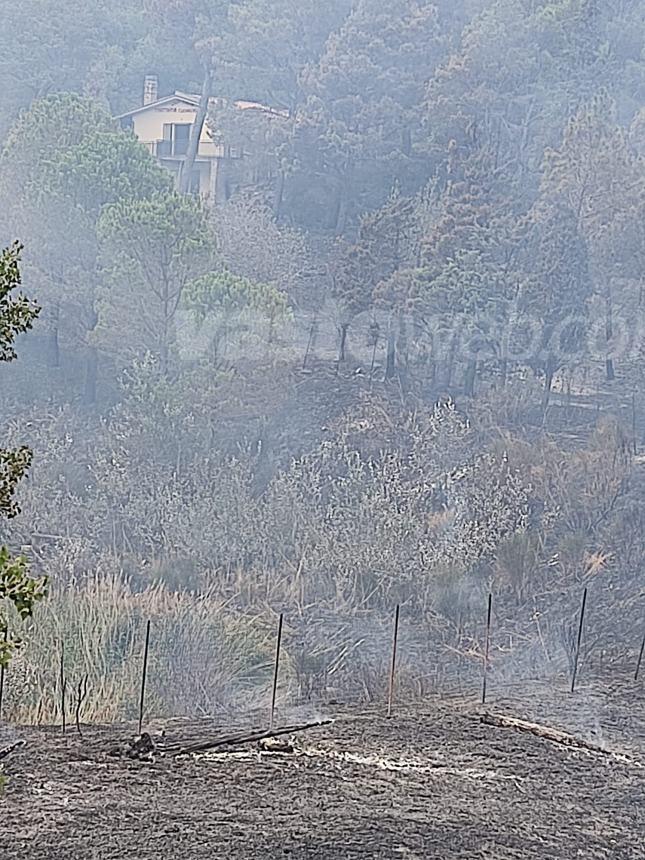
<point>581,174</point>
<point>42,135</point>
<point>17,588</point>
<point>77,46</point>
<point>173,227</point>
<point>107,166</point>
<point>94,167</point>
<point>361,125</point>
<point>268,44</point>
<point>573,33</point>
<point>20,591</point>
<point>561,284</point>
<point>601,242</point>
<point>13,467</point>
<point>17,314</point>
<point>63,163</point>
<point>516,100</point>
<point>387,241</point>
<point>231,305</point>
<point>151,250</point>
<point>365,106</point>
<point>66,149</point>
<point>463,287</point>
<point>223,293</point>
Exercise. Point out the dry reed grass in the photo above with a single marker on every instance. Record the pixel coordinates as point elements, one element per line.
<point>202,658</point>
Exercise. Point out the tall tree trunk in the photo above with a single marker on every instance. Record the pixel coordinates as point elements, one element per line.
<point>406,142</point>
<point>609,332</point>
<point>549,373</point>
<point>402,351</point>
<point>341,210</point>
<point>53,350</point>
<point>343,341</point>
<point>279,195</point>
<point>503,370</point>
<point>403,340</point>
<point>164,347</point>
<point>188,163</point>
<point>91,374</point>
<point>390,363</point>
<point>91,358</point>
<point>469,378</point>
<point>343,182</point>
<point>450,361</point>
<point>432,370</point>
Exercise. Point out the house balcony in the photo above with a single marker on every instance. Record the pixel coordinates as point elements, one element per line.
<point>177,149</point>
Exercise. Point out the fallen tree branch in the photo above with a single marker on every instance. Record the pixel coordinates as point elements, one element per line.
<point>5,752</point>
<point>244,738</point>
<point>539,731</point>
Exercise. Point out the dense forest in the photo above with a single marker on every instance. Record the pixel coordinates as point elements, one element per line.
<point>400,362</point>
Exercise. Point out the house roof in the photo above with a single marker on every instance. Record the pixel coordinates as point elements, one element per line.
<point>193,101</point>
<point>187,98</point>
<point>244,105</point>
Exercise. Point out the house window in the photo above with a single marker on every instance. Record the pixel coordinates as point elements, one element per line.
<point>175,138</point>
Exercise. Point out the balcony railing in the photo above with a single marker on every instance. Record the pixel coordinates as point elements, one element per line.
<point>171,148</point>
<point>179,148</point>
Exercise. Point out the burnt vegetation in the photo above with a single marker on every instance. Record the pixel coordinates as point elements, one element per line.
<point>349,346</point>
<point>392,356</point>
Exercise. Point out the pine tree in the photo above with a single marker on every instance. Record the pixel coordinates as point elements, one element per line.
<point>361,126</point>
<point>151,249</point>
<point>64,161</point>
<point>470,274</point>
<point>600,179</point>
<point>555,298</point>
<point>385,243</point>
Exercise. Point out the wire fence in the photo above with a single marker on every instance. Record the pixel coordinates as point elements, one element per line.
<point>192,668</point>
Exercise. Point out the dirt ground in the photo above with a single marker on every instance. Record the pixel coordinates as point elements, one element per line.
<point>431,782</point>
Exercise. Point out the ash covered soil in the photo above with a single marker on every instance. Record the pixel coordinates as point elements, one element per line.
<point>434,781</point>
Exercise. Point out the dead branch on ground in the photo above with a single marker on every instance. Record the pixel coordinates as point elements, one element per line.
<point>546,733</point>
<point>5,752</point>
<point>243,738</point>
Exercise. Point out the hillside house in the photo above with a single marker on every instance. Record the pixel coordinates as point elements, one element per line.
<point>164,124</point>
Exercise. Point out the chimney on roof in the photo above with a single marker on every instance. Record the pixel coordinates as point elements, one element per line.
<point>150,89</point>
